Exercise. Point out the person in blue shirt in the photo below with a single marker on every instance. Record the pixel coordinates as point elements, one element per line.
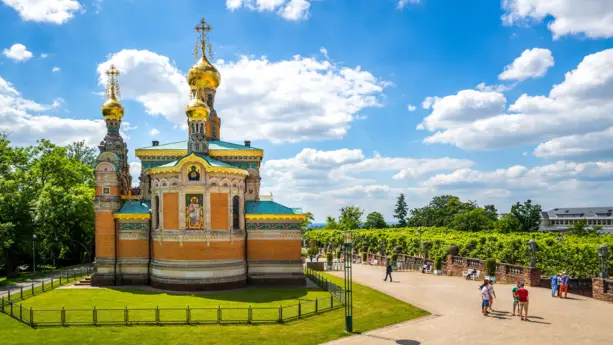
<point>555,284</point>
<point>564,285</point>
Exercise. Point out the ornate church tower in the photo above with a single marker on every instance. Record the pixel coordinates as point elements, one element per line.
<point>112,180</point>
<point>203,79</point>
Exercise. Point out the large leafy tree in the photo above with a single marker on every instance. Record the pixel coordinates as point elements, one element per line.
<point>375,220</point>
<point>351,217</point>
<point>85,154</point>
<point>528,215</point>
<point>401,211</point>
<point>476,219</point>
<point>507,223</point>
<point>491,212</point>
<point>440,211</point>
<point>331,223</point>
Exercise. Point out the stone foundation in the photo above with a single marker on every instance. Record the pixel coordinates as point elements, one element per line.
<point>599,291</point>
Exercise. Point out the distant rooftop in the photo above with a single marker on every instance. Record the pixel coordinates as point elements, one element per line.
<point>579,212</point>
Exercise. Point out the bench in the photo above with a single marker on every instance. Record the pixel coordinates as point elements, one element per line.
<point>474,276</point>
<point>374,262</point>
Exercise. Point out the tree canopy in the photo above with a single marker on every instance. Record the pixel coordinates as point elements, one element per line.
<point>401,211</point>
<point>375,220</point>
<point>351,218</point>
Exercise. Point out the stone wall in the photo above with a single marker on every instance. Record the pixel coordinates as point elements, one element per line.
<point>602,289</point>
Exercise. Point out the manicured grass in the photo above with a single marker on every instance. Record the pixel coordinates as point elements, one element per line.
<point>372,309</point>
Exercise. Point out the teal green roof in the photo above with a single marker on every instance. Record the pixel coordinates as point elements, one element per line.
<point>213,145</point>
<point>269,207</point>
<point>135,207</point>
<point>211,161</point>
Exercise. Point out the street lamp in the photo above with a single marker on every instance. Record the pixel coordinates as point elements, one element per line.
<point>33,254</point>
<point>603,254</point>
<point>348,259</point>
<point>532,248</point>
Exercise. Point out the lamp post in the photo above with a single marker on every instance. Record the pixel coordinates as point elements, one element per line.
<point>348,283</point>
<point>33,254</point>
<point>603,254</point>
<point>532,248</point>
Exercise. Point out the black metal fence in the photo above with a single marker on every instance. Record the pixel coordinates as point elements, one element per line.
<point>180,316</point>
<point>577,286</point>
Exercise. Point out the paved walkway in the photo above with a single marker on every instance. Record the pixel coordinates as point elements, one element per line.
<point>37,282</point>
<point>456,319</point>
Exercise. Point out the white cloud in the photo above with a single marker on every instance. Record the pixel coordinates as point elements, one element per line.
<point>294,10</point>
<point>532,63</point>
<point>22,120</point>
<point>594,144</point>
<point>495,88</point>
<point>153,132</point>
<point>44,56</point>
<point>49,11</point>
<point>403,3</point>
<point>55,69</point>
<point>17,52</point>
<point>284,101</point>
<point>581,104</point>
<point>411,108</point>
<point>592,18</point>
<point>135,170</point>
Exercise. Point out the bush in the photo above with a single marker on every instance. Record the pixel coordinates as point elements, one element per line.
<point>490,267</point>
<point>364,256</point>
<point>394,257</point>
<point>438,264</point>
<point>329,257</point>
<point>338,254</point>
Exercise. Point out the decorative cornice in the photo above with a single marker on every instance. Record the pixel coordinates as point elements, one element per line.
<point>213,153</point>
<point>131,197</point>
<point>133,235</point>
<point>191,159</point>
<point>196,236</point>
<point>300,217</point>
<point>132,216</point>
<point>106,206</point>
<point>272,235</point>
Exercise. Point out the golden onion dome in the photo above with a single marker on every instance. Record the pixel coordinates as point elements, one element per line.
<point>197,110</point>
<point>203,75</point>
<point>112,109</point>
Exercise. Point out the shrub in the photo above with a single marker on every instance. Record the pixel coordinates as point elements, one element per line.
<point>490,266</point>
<point>338,254</point>
<point>394,257</point>
<point>329,257</point>
<point>438,263</point>
<point>364,256</point>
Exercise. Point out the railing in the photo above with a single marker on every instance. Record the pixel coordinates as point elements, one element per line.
<point>473,263</point>
<point>179,316</point>
<point>39,286</point>
<point>512,269</point>
<point>458,260</point>
<point>577,286</point>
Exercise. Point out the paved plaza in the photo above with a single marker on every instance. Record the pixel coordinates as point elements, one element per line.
<point>456,317</point>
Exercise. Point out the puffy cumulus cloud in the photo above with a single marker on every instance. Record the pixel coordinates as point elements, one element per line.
<point>293,10</point>
<point>462,108</point>
<point>153,132</point>
<point>404,3</point>
<point>48,11</point>
<point>22,120</point>
<point>411,108</point>
<point>591,18</point>
<point>532,63</point>
<point>581,104</point>
<point>135,169</point>
<point>284,101</point>
<point>495,88</point>
<point>55,69</point>
<point>17,52</point>
<point>324,181</point>
<point>590,145</point>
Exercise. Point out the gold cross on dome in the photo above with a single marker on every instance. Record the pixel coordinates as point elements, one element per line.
<point>112,86</point>
<point>203,39</point>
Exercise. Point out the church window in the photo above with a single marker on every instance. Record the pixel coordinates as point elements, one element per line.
<point>157,210</point>
<point>201,128</point>
<point>235,212</point>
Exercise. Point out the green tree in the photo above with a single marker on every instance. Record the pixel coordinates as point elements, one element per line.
<point>375,220</point>
<point>83,153</point>
<point>331,223</point>
<point>491,212</point>
<point>350,218</point>
<point>507,223</point>
<point>401,211</point>
<point>529,215</point>
<point>308,221</point>
<point>476,219</point>
<point>440,211</point>
<point>581,228</point>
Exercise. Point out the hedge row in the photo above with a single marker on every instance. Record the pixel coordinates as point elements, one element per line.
<point>576,255</point>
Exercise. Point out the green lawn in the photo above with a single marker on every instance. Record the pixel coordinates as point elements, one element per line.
<point>372,309</point>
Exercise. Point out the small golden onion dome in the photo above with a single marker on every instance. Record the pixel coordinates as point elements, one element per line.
<point>197,110</point>
<point>203,75</point>
<point>112,109</point>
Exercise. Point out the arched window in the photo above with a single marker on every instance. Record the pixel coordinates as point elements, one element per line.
<point>157,211</point>
<point>235,212</point>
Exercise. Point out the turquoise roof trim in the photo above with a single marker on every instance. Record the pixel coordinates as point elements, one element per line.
<point>211,161</point>
<point>269,207</point>
<point>213,145</point>
<point>135,207</point>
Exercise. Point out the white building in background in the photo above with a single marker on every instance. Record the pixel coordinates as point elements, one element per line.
<point>559,219</point>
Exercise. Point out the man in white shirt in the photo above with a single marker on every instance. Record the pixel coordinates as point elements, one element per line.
<point>485,296</point>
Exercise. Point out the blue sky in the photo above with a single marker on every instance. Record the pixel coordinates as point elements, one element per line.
<point>325,88</point>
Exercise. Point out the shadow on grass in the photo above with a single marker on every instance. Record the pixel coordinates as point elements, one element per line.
<point>249,295</point>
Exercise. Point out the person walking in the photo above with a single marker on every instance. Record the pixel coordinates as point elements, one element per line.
<point>564,280</point>
<point>492,293</point>
<point>522,295</point>
<point>485,298</point>
<point>388,271</point>
<point>515,298</point>
<point>555,280</point>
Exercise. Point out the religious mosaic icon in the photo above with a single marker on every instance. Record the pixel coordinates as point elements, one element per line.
<point>194,219</point>
<point>106,190</point>
<point>193,174</point>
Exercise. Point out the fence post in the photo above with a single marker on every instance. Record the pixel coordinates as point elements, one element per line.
<point>125,315</point>
<point>9,296</point>
<point>95,316</point>
<point>249,316</point>
<point>31,317</point>
<point>32,289</point>
<point>331,301</point>
<point>280,314</point>
<point>51,282</point>
<point>316,300</point>
<point>60,278</point>
<point>11,308</point>
<point>43,284</point>
<point>157,315</point>
<point>188,316</point>
<point>21,289</point>
<point>20,313</point>
<point>63,316</point>
<point>219,314</point>
<point>3,304</point>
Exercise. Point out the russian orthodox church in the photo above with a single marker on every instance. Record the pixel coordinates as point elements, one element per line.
<point>198,222</point>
